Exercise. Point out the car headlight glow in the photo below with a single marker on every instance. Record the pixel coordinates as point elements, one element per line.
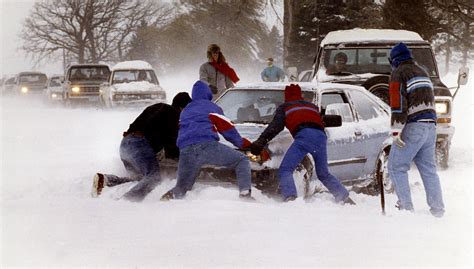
<point>54,95</point>
<point>24,89</point>
<point>441,107</point>
<point>76,89</point>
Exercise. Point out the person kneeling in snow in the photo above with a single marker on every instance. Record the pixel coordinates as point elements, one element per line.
<point>304,122</point>
<point>198,144</point>
<point>155,129</point>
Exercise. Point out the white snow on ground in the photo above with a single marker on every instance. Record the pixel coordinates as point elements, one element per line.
<point>50,154</point>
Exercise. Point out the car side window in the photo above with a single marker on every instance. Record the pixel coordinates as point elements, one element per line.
<point>366,108</point>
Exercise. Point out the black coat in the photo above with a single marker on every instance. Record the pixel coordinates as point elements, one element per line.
<point>159,125</point>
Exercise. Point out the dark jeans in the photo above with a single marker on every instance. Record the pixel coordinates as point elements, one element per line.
<point>140,161</point>
<point>193,157</point>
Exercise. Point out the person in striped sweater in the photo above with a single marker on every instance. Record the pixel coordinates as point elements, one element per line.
<point>413,112</point>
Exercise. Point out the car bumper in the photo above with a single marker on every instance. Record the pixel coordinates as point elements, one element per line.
<point>444,132</point>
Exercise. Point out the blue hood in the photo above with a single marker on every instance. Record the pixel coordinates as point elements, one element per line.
<point>201,91</point>
<point>399,53</point>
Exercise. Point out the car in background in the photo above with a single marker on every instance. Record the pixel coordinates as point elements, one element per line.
<point>54,92</point>
<point>131,83</point>
<point>82,83</point>
<point>357,149</point>
<point>367,53</point>
<point>8,86</point>
<point>30,83</point>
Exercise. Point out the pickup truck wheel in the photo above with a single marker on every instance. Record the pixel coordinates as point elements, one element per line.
<point>442,155</point>
<point>379,87</point>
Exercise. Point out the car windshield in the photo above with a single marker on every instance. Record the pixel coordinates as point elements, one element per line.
<point>90,73</point>
<point>371,60</point>
<point>125,76</point>
<point>33,78</point>
<point>253,105</point>
<point>55,82</point>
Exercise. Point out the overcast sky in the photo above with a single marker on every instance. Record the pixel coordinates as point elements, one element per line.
<point>13,60</point>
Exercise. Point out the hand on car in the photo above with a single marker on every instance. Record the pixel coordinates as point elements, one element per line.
<point>256,147</point>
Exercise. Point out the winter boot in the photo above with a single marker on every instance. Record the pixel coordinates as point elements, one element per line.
<point>348,201</point>
<point>167,196</point>
<point>246,195</point>
<point>289,198</point>
<point>98,184</point>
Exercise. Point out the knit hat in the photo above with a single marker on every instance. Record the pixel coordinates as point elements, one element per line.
<point>398,54</point>
<point>181,100</point>
<point>293,93</point>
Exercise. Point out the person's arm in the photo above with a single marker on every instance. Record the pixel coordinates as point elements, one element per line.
<point>281,74</point>
<point>275,127</point>
<point>227,129</point>
<point>203,73</point>
<point>398,101</point>
<point>263,75</point>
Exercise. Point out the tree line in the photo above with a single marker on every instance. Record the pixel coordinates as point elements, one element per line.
<point>172,35</point>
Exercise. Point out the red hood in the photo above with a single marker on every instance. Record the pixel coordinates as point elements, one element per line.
<point>293,93</point>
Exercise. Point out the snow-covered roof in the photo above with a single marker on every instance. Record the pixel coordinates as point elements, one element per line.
<point>130,65</point>
<point>366,35</point>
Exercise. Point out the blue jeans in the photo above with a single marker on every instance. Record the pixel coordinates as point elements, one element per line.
<point>193,157</point>
<point>312,141</point>
<point>140,161</point>
<point>420,143</point>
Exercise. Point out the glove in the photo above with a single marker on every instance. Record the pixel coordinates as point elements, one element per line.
<point>397,139</point>
<point>257,146</point>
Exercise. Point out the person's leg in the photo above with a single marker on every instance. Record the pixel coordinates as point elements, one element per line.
<point>319,152</point>
<point>219,154</point>
<point>142,157</point>
<point>399,162</point>
<point>293,156</point>
<point>188,170</point>
<point>426,164</point>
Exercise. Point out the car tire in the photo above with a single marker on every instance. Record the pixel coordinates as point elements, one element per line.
<point>303,175</point>
<point>381,174</point>
<point>379,87</point>
<point>442,156</point>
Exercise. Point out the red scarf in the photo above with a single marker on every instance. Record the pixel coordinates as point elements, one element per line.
<point>225,69</point>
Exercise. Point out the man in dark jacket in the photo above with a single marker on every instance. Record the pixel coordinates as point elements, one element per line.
<point>413,112</point>
<point>199,145</point>
<point>304,122</point>
<point>155,129</point>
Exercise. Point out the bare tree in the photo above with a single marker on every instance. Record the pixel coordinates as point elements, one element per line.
<point>91,30</point>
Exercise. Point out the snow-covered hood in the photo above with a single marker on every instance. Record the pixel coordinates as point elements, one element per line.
<point>352,79</point>
<point>136,86</point>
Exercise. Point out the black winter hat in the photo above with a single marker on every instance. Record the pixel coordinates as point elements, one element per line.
<point>181,99</point>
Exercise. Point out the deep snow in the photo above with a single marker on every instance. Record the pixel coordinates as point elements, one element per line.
<point>48,218</point>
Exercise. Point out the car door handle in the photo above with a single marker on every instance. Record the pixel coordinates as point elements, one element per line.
<point>358,133</point>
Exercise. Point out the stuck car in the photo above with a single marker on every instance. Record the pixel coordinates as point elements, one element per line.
<point>131,82</point>
<point>361,57</point>
<point>357,150</point>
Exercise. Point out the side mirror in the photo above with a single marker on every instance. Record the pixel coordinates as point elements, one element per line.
<point>292,73</point>
<point>342,109</point>
<point>332,120</point>
<point>463,75</point>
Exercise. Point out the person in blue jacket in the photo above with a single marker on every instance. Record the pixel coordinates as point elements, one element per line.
<point>272,73</point>
<point>305,124</point>
<point>198,144</point>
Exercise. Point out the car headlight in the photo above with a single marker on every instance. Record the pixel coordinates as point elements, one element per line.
<point>76,89</point>
<point>54,95</point>
<point>441,107</point>
<point>24,89</point>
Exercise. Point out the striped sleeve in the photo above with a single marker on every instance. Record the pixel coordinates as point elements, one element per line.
<point>226,128</point>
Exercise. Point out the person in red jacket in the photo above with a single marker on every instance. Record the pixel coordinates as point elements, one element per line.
<point>305,124</point>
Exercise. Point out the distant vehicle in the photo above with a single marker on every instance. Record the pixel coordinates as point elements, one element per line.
<point>131,82</point>
<point>357,150</point>
<point>54,92</point>
<point>82,83</point>
<point>367,64</point>
<point>27,83</point>
<point>8,87</point>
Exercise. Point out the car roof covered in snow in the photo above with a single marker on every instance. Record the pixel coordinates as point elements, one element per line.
<point>133,65</point>
<point>358,35</point>
<point>305,86</point>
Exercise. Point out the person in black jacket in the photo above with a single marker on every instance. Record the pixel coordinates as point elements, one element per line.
<point>155,129</point>
<point>305,124</point>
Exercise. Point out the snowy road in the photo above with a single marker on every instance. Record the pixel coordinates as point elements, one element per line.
<point>48,218</point>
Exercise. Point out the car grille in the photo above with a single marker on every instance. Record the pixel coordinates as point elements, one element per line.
<point>90,89</point>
